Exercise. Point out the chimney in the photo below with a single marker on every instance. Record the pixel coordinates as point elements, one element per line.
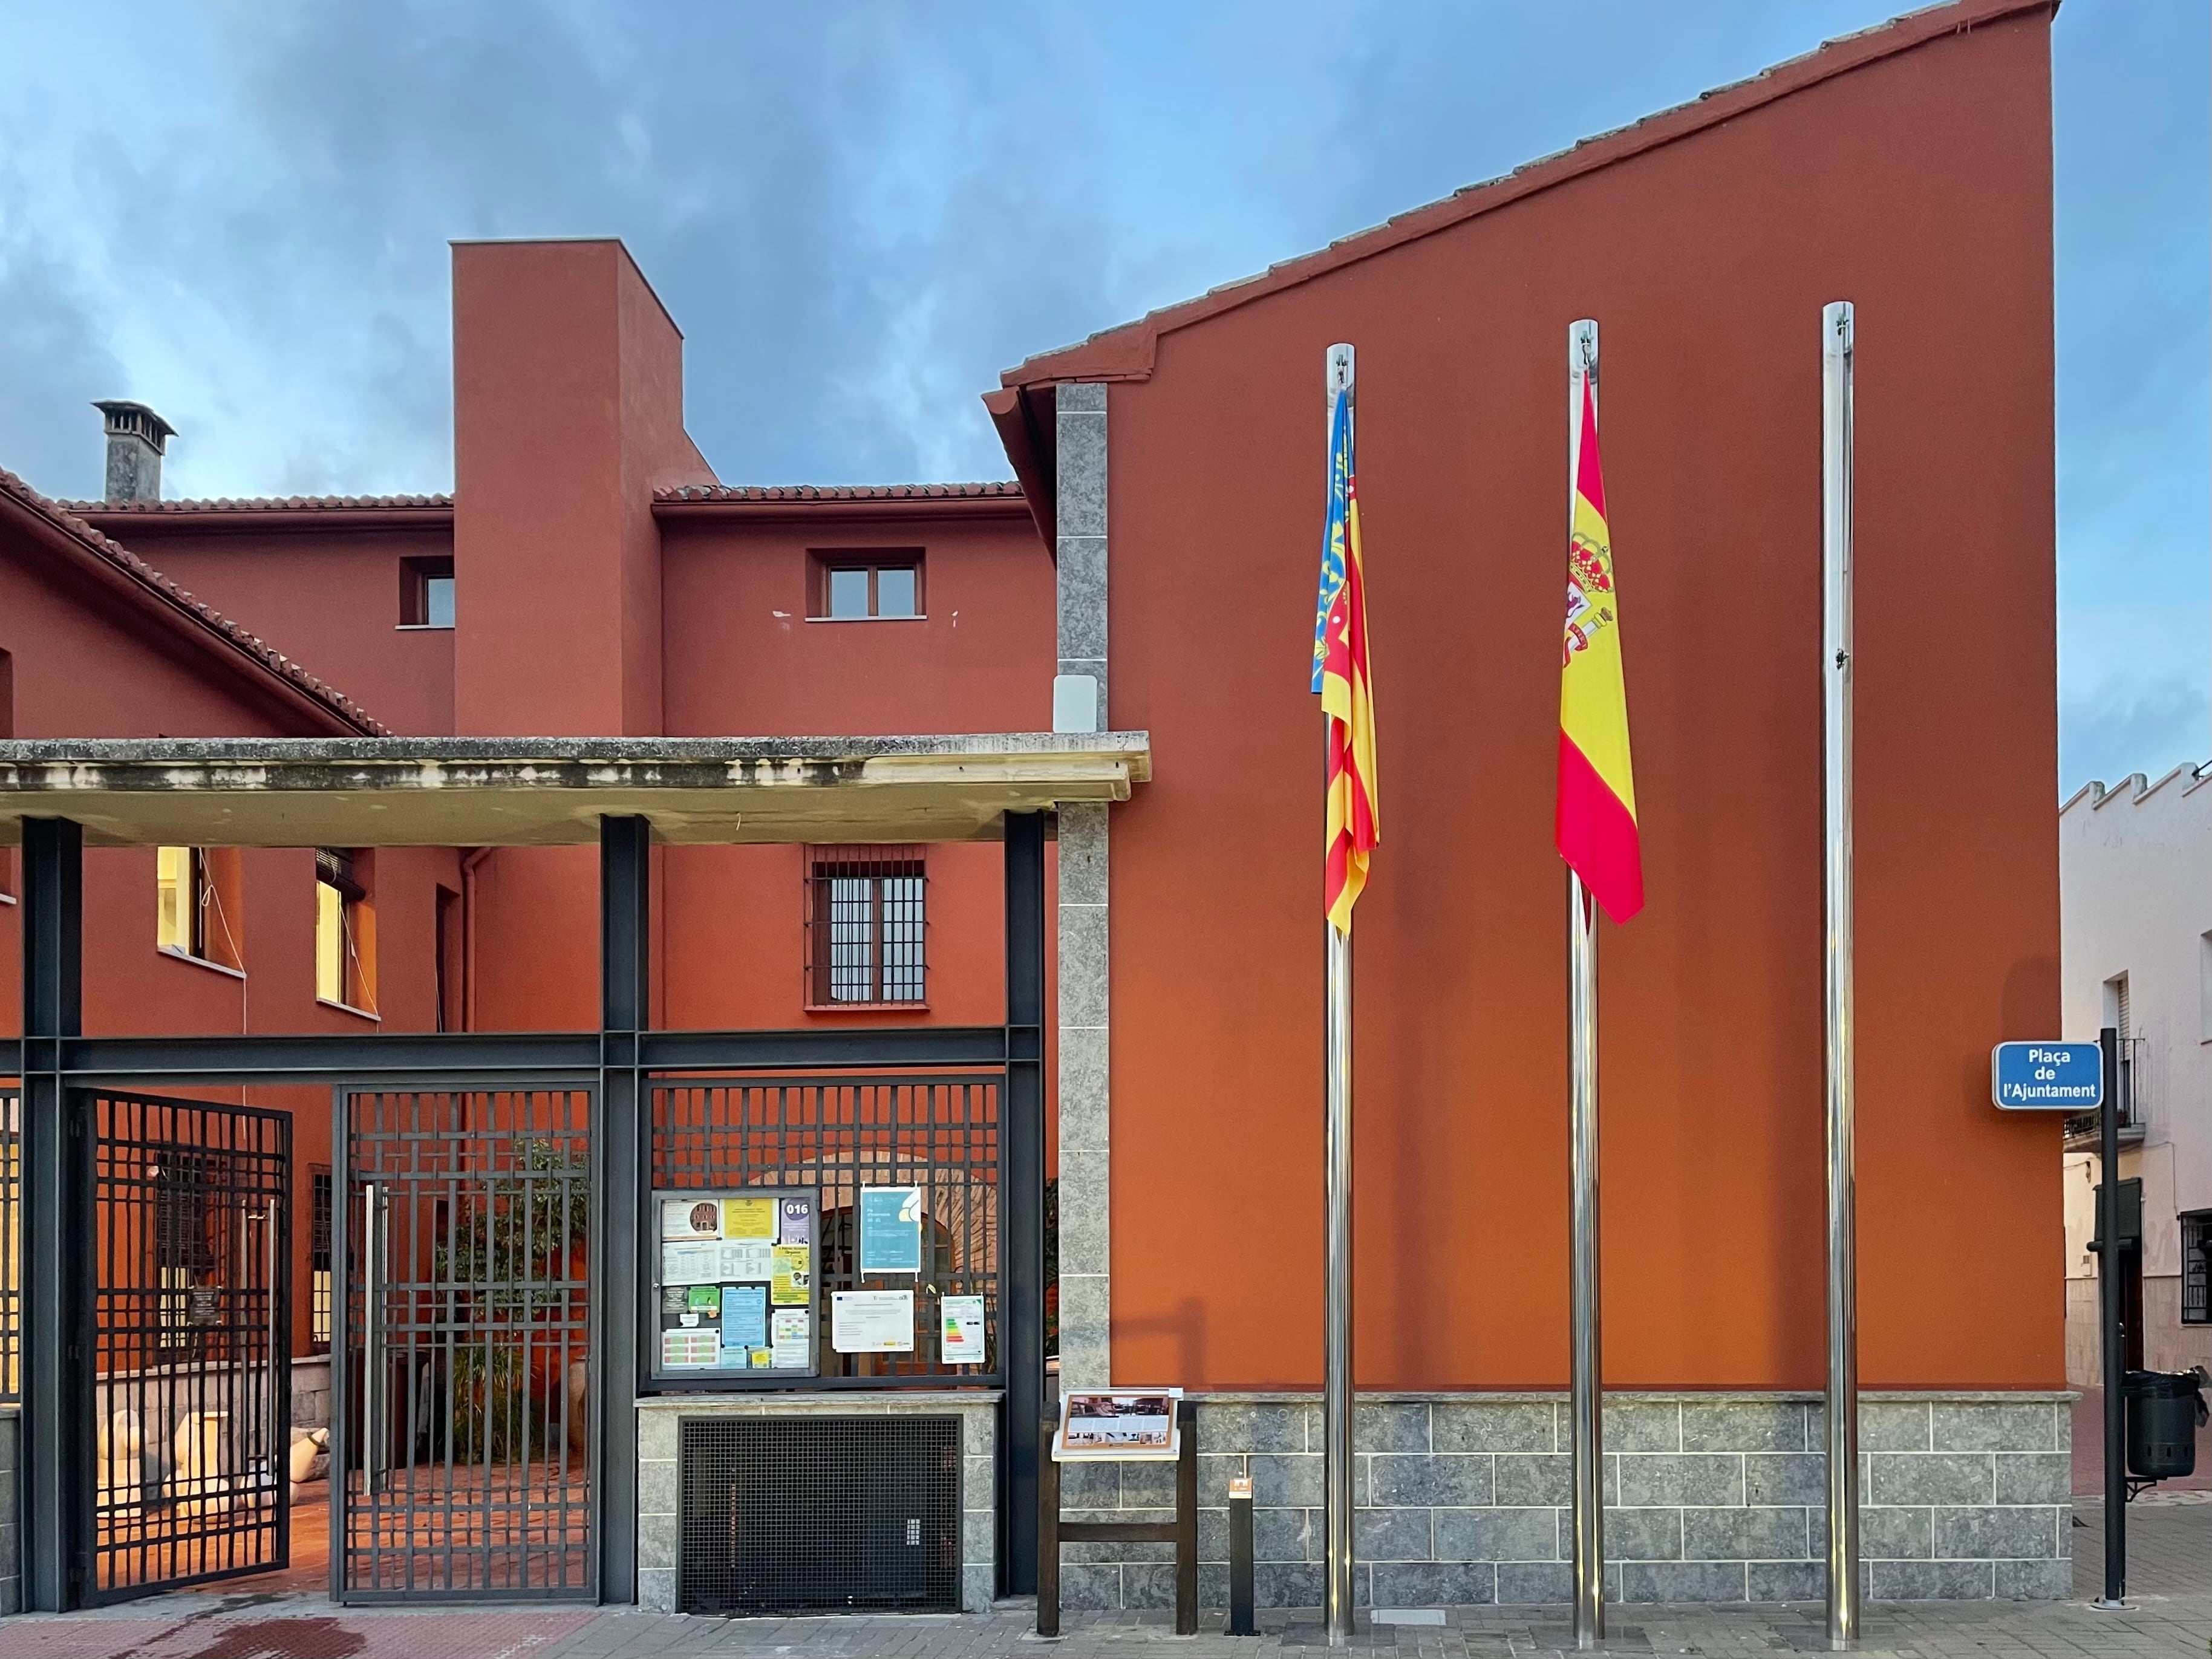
<point>136,438</point>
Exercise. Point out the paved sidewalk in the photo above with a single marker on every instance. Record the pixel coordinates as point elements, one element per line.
<point>2170,1555</point>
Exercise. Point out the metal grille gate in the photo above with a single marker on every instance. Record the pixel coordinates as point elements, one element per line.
<point>939,1133</point>
<point>192,1312</point>
<point>465,1330</point>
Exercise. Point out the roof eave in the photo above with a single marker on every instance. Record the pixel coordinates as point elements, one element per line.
<point>336,716</point>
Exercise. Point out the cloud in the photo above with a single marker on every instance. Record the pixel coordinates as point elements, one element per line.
<point>2132,724</point>
<point>53,365</point>
<point>860,214</point>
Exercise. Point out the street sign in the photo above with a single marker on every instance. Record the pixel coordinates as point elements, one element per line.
<point>2047,1077</point>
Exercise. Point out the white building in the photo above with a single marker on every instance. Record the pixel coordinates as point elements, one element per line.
<point>2135,866</point>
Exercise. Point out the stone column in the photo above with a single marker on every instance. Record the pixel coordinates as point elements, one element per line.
<point>1086,1252</point>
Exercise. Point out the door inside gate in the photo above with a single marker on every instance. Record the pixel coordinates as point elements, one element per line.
<point>465,1330</point>
<point>191,1320</point>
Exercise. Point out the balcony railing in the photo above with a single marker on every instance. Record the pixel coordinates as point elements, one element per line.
<point>2133,1096</point>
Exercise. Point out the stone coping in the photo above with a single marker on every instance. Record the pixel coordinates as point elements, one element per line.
<point>543,792</point>
<point>1530,1396</point>
<point>821,1398</point>
<point>610,749</point>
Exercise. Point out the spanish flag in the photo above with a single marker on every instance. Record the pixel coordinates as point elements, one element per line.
<point>1341,676</point>
<point>1596,826</point>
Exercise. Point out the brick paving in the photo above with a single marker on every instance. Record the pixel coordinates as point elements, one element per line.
<point>2170,1560</point>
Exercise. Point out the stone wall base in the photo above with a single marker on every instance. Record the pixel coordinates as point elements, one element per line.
<point>11,1541</point>
<point>1462,1500</point>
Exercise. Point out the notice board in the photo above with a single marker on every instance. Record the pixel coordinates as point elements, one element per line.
<point>733,1285</point>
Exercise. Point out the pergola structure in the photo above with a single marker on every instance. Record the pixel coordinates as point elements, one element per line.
<point>58,797</point>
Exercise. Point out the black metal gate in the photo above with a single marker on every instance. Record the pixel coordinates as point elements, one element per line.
<point>190,1325</point>
<point>465,1330</point>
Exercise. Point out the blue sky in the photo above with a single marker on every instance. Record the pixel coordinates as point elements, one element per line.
<point>861,213</point>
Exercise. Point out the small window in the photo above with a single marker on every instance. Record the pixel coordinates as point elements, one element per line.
<point>866,927</point>
<point>446,960</point>
<point>426,593</point>
<point>197,907</point>
<point>2197,1268</point>
<point>859,586</point>
<point>2204,987</point>
<point>345,939</point>
<point>319,1260</point>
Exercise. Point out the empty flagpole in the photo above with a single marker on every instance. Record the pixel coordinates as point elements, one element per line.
<point>1336,1369</point>
<point>1585,1404</point>
<point>1843,1390</point>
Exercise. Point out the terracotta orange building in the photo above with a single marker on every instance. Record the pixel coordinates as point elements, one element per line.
<point>1140,598</point>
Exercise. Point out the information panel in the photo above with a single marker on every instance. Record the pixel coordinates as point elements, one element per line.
<point>733,1282</point>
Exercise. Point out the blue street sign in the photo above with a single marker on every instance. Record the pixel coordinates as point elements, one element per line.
<point>2047,1077</point>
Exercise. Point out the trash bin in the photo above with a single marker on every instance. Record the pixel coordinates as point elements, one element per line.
<point>2164,1410</point>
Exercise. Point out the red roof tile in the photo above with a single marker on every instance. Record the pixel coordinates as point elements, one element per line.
<point>260,504</point>
<point>187,612</point>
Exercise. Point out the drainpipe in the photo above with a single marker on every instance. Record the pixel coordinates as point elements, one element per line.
<point>470,860</point>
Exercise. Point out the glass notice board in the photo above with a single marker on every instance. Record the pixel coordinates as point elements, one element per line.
<point>733,1286</point>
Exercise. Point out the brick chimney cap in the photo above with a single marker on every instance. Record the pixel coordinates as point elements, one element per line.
<point>125,416</point>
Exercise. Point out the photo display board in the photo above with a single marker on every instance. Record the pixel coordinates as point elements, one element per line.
<point>733,1282</point>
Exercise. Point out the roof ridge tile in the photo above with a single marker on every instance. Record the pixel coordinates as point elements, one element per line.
<point>254,504</point>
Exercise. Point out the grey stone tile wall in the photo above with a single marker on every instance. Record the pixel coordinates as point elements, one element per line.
<point>11,1543</point>
<point>311,1392</point>
<point>1085,1183</point>
<point>659,1524</point>
<point>1462,1500</point>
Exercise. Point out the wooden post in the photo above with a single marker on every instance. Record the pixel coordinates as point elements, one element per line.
<point>1047,1564</point>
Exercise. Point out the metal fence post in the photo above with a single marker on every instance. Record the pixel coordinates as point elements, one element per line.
<point>1021,1117</point>
<point>620,1150</point>
<point>1187,1519</point>
<point>55,1527</point>
<point>1240,1621</point>
<point>2115,1360</point>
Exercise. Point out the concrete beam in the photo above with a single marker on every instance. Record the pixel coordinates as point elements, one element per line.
<point>539,792</point>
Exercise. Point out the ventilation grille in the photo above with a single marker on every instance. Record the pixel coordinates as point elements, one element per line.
<point>820,1515</point>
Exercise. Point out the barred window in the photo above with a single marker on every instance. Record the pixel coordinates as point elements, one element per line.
<point>2197,1268</point>
<point>866,927</point>
<point>185,1183</point>
<point>319,1260</point>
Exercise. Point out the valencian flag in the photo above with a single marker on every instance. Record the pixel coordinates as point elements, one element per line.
<point>1341,676</point>
<point>1596,822</point>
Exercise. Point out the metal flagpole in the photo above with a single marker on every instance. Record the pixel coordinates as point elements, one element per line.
<point>1336,1370</point>
<point>1587,1388</point>
<point>1842,1392</point>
